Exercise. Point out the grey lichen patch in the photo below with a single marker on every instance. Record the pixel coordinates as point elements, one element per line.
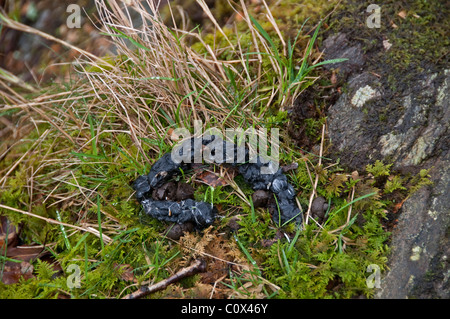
<point>442,93</point>
<point>390,143</point>
<point>433,214</point>
<point>420,150</point>
<point>411,280</point>
<point>363,95</point>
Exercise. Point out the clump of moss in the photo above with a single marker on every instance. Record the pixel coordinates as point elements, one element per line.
<point>412,28</point>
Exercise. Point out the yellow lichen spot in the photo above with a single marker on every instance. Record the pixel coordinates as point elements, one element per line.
<point>415,253</point>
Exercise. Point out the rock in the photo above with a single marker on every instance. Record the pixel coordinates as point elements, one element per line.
<point>338,46</point>
<point>419,266</point>
<point>352,132</point>
<point>423,126</point>
<point>404,123</point>
<point>369,123</point>
<point>319,207</point>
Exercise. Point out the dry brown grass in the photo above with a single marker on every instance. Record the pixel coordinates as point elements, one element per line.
<point>154,82</point>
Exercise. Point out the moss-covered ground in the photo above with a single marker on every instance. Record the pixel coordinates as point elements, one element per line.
<point>77,164</point>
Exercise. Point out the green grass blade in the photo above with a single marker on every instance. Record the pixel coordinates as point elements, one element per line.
<point>124,36</point>
<point>99,217</point>
<point>247,254</point>
<point>81,241</point>
<point>252,207</point>
<point>350,223</point>
<point>348,204</point>
<point>82,155</point>
<point>302,71</point>
<point>279,212</point>
<point>268,39</point>
<point>325,62</point>
<point>91,126</point>
<point>63,231</point>
<point>286,263</point>
<point>3,258</point>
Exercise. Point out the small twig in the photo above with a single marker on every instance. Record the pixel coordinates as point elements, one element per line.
<point>350,208</point>
<point>215,284</point>
<point>317,175</point>
<point>197,266</point>
<point>55,222</point>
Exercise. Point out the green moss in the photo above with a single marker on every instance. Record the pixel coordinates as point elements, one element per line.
<point>394,184</point>
<point>378,169</point>
<point>419,41</point>
<point>323,263</point>
<point>419,180</point>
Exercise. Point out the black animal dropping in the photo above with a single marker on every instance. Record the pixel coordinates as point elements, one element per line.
<point>202,214</point>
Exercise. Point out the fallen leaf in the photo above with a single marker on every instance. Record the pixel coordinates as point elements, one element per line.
<point>398,206</point>
<point>17,260</point>
<point>211,179</point>
<point>13,271</point>
<point>386,44</point>
<point>402,14</point>
<point>171,135</point>
<point>126,272</point>
<point>208,177</point>
<point>25,253</point>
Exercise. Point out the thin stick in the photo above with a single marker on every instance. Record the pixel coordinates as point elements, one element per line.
<point>247,19</point>
<point>350,208</point>
<point>275,26</point>
<point>215,284</point>
<point>52,221</point>
<point>199,265</point>
<point>317,176</point>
